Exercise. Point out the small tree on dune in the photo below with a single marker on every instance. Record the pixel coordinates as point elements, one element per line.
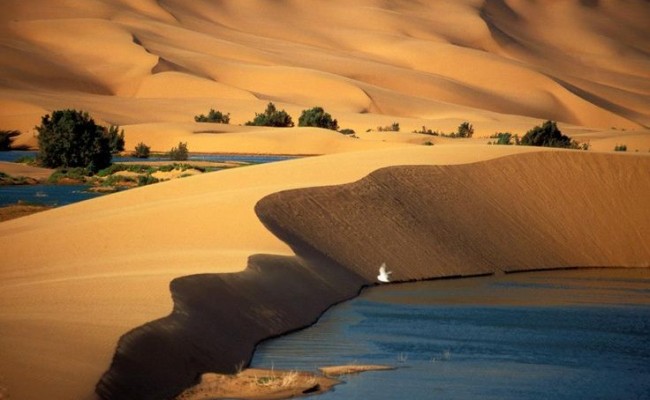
<point>317,117</point>
<point>272,117</point>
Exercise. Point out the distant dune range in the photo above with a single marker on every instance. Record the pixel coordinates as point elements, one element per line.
<point>150,66</point>
<point>250,252</point>
<point>525,212</point>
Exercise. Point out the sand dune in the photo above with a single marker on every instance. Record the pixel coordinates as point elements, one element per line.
<point>423,221</point>
<point>129,62</point>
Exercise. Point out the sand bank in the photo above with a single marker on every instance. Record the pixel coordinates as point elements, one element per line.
<point>423,221</point>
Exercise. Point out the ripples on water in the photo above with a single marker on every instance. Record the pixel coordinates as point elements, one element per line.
<point>547,335</point>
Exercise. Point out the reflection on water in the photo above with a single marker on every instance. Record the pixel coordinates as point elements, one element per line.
<point>560,335</point>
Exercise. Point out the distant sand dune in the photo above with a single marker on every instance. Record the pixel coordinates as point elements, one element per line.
<point>581,63</point>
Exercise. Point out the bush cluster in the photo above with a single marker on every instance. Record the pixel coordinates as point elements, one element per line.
<point>272,117</point>
<point>317,117</point>
<point>213,116</point>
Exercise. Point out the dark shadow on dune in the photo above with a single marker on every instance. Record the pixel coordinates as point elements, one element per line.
<point>217,321</point>
<point>527,212</point>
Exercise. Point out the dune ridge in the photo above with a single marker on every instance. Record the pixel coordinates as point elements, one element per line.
<point>423,221</point>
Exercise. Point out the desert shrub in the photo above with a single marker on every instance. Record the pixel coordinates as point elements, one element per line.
<point>428,143</point>
<point>213,116</point>
<point>347,131</point>
<point>505,138</point>
<point>141,151</point>
<point>465,130</point>
<point>144,180</point>
<point>179,153</point>
<point>394,127</point>
<point>272,117</point>
<point>115,138</point>
<point>70,138</point>
<point>6,139</point>
<point>426,131</point>
<point>317,117</point>
<point>77,174</point>
<point>547,135</point>
<point>620,147</point>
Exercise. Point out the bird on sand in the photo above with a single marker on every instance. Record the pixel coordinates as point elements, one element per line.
<point>383,274</point>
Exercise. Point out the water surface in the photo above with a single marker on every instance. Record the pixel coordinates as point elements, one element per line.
<point>548,335</point>
<point>50,195</point>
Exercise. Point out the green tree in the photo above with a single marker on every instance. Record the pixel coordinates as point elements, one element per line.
<point>115,138</point>
<point>272,117</point>
<point>213,116</point>
<point>70,138</point>
<point>179,153</point>
<point>547,135</point>
<point>6,139</point>
<point>317,117</point>
<point>465,130</point>
<point>142,151</point>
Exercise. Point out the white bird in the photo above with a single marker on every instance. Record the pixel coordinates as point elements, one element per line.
<point>383,274</point>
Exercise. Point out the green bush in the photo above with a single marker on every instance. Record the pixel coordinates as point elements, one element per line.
<point>70,138</point>
<point>465,130</point>
<point>620,147</point>
<point>146,180</point>
<point>115,138</point>
<point>547,135</point>
<point>141,151</point>
<point>272,117</point>
<point>179,153</point>
<point>317,117</point>
<point>347,131</point>
<point>213,116</point>
<point>426,131</point>
<point>7,139</point>
<point>505,138</point>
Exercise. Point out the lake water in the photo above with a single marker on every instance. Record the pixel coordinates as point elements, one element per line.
<point>51,195</point>
<point>12,156</point>
<point>545,335</point>
<point>66,194</point>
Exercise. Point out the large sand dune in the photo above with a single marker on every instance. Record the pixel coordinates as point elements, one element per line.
<point>423,221</point>
<point>500,64</point>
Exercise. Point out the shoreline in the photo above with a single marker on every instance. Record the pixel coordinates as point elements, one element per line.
<point>334,261</point>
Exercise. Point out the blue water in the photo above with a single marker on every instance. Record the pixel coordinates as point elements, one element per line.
<point>51,195</point>
<point>561,335</point>
<point>66,194</point>
<point>12,156</point>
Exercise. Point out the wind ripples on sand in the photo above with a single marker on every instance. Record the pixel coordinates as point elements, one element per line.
<point>589,341</point>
